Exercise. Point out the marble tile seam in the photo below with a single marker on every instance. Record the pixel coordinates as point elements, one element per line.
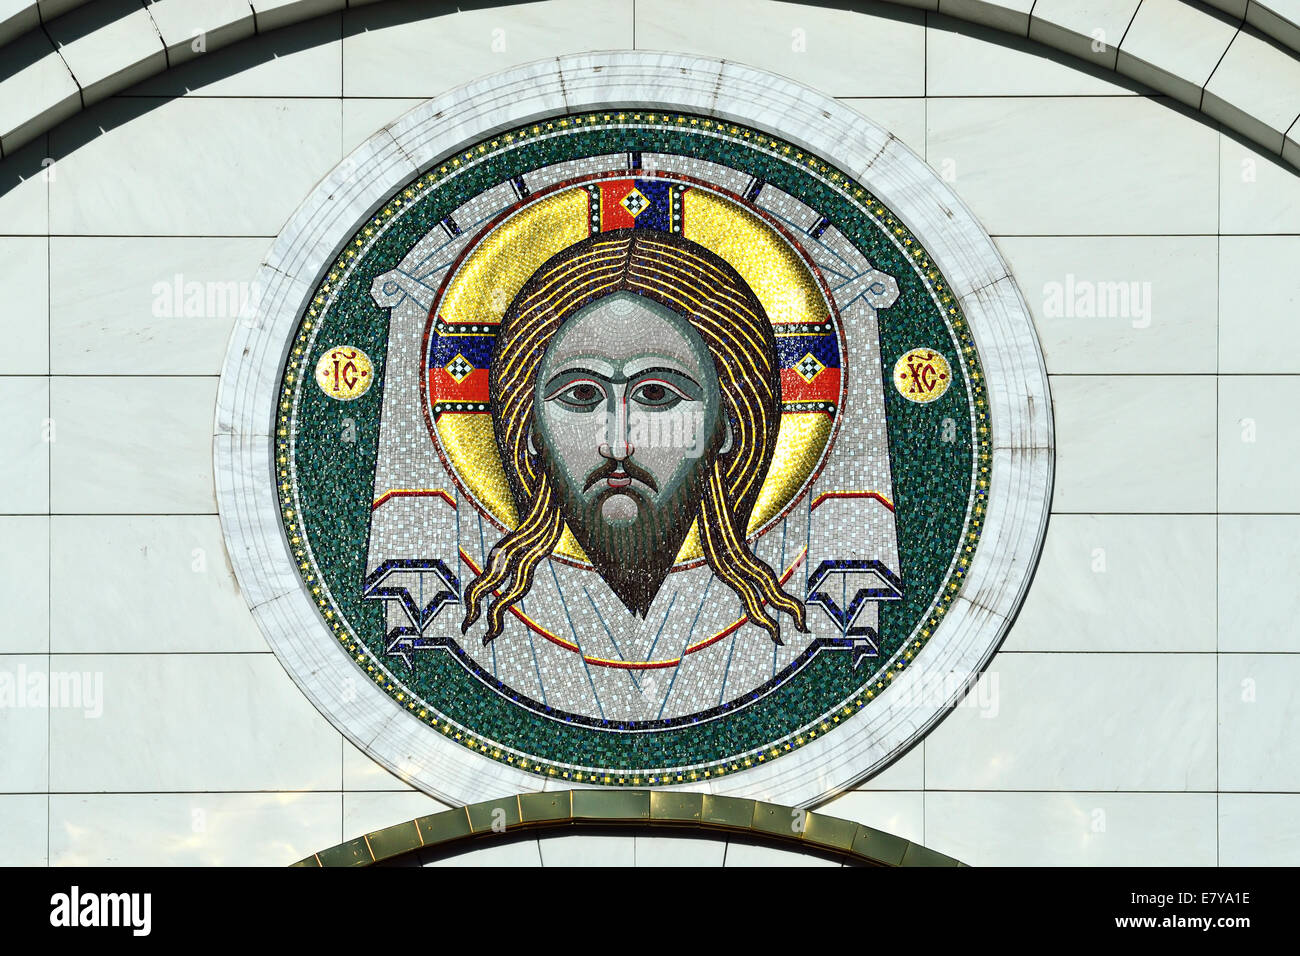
<point>81,92</point>
<point>167,54</point>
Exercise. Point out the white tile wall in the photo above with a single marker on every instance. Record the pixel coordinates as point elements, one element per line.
<point>132,445</point>
<point>157,306</point>
<point>24,829</point>
<point>25,291</point>
<point>678,851</point>
<point>473,43</point>
<point>1259,722</point>
<point>172,167</point>
<point>299,60</point>
<point>1259,300</point>
<point>1259,829</point>
<point>1258,437</point>
<point>24,723</point>
<point>1134,443</point>
<point>1132,722</point>
<point>1258,555</point>
<point>1120,304</point>
<point>1125,697</point>
<point>965,59</point>
<point>1073,829</point>
<point>581,849</point>
<point>1051,166</point>
<point>25,444</point>
<point>182,829</point>
<point>25,584</point>
<point>1122,583</point>
<point>156,732</point>
<point>139,558</point>
<point>879,52</point>
<point>1258,194</point>
<point>24,178</point>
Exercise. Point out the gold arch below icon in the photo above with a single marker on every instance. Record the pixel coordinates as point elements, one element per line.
<point>489,276</point>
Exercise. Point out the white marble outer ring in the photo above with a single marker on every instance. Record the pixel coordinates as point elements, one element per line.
<point>1020,409</point>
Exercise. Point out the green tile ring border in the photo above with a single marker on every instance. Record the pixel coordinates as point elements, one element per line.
<point>769,824</point>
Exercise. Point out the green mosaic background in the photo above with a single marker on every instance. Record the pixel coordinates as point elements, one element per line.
<point>333,477</point>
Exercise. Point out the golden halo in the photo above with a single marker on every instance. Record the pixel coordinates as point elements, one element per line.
<point>492,272</point>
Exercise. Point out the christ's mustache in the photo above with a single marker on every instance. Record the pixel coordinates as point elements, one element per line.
<point>615,467</point>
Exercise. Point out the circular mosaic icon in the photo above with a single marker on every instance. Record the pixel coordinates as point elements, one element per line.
<point>629,501</point>
<point>345,373</point>
<point>922,375</point>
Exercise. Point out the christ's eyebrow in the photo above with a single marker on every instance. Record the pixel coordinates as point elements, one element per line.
<point>583,362</point>
<point>661,364</point>
<point>661,370</point>
<point>575,370</point>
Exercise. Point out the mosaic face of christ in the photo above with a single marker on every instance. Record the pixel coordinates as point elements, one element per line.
<point>627,417</point>
<point>635,390</point>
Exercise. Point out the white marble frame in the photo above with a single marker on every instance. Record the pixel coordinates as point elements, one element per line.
<point>1020,409</point>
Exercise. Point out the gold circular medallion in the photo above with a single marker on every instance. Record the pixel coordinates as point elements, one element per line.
<point>922,375</point>
<point>344,373</point>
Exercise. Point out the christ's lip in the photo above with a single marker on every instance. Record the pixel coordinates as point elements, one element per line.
<point>619,474</point>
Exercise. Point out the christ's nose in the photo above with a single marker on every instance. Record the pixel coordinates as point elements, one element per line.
<point>618,447</point>
<point>616,451</point>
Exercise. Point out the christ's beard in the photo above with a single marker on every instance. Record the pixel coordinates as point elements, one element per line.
<point>633,556</point>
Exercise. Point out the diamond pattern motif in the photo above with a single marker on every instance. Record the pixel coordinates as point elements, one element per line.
<point>809,367</point>
<point>458,368</point>
<point>635,202</point>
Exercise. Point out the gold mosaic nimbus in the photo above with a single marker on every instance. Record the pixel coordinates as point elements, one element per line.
<point>491,275</point>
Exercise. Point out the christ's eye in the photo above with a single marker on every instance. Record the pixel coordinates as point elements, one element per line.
<point>579,396</point>
<point>656,394</point>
